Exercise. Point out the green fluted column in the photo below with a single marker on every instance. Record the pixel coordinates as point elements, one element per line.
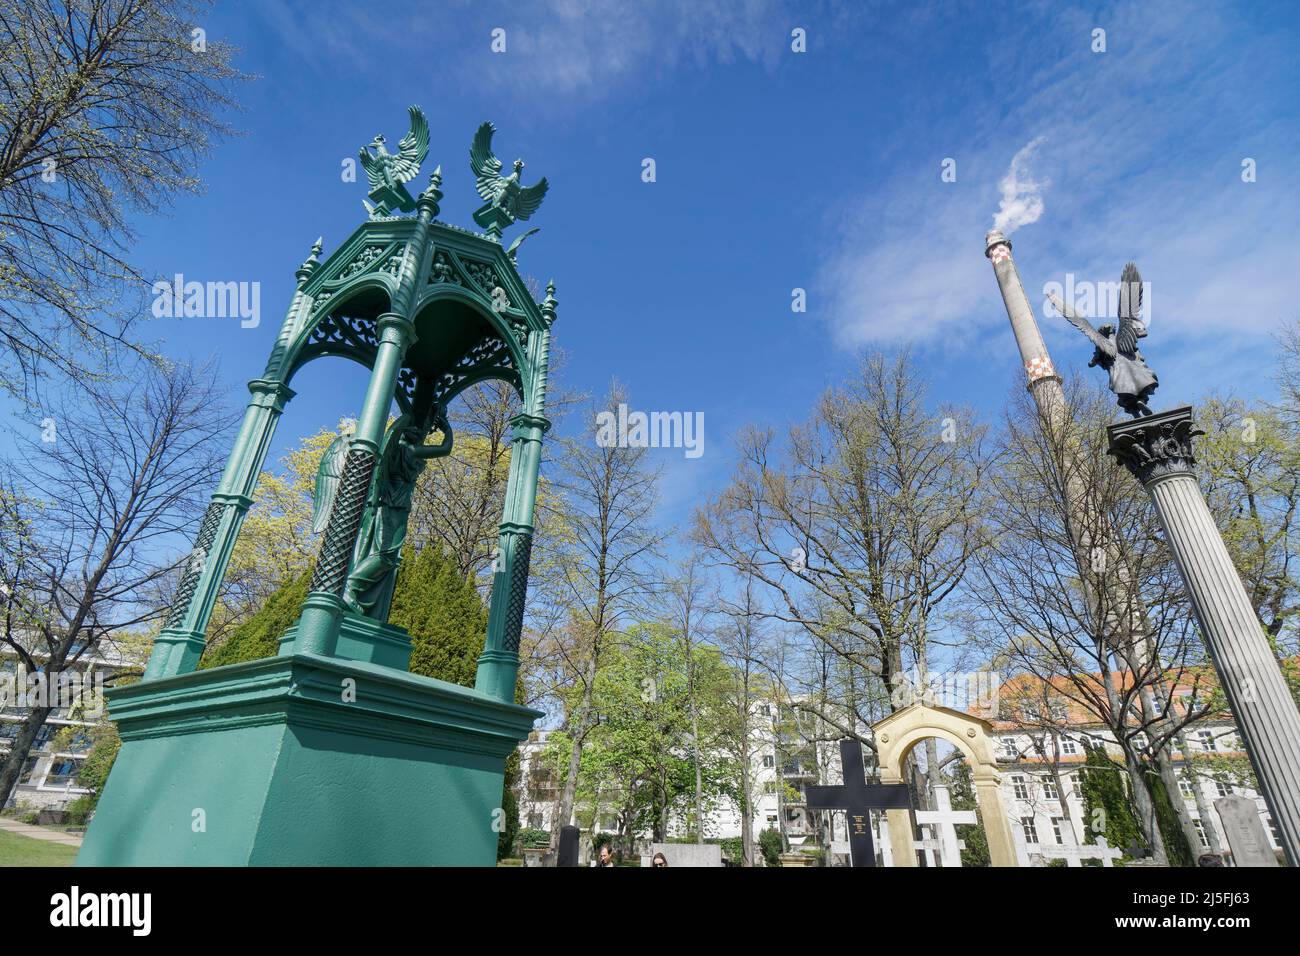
<point>322,611</point>
<point>498,665</point>
<point>178,647</point>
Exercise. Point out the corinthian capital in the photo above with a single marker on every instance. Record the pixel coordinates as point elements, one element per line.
<point>1157,446</point>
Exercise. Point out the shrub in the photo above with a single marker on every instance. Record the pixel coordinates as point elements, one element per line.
<point>534,839</point>
<point>79,810</point>
<point>770,843</point>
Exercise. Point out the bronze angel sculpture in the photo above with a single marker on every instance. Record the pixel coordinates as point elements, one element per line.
<point>1116,350</point>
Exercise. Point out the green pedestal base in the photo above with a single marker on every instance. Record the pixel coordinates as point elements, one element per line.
<point>304,760</point>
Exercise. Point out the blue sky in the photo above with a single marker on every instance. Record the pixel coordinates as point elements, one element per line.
<point>776,170</point>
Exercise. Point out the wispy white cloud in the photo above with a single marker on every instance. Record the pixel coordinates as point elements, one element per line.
<point>1022,195</point>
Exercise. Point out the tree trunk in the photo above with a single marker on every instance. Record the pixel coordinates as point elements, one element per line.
<point>1165,765</point>
<point>699,777</point>
<point>1202,804</point>
<point>565,815</point>
<point>20,750</point>
<point>1146,808</point>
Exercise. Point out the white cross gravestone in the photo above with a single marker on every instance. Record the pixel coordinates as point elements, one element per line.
<point>1245,832</point>
<point>949,854</point>
<point>1075,854</point>
<point>942,822</point>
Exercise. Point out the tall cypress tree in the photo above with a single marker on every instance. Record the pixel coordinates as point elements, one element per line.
<point>444,615</point>
<point>259,636</point>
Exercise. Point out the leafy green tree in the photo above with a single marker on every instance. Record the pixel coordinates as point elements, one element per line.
<point>106,110</point>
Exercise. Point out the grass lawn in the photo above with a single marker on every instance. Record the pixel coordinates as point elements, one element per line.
<point>18,850</point>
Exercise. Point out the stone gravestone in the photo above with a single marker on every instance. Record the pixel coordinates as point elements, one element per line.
<point>685,854</point>
<point>858,798</point>
<point>568,852</point>
<point>1245,832</point>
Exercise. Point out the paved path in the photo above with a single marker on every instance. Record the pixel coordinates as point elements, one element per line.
<point>40,833</point>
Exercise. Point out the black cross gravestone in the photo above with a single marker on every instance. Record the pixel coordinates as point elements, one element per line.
<point>858,798</point>
<point>568,850</point>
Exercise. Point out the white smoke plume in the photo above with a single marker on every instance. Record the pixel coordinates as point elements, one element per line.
<point>1022,199</point>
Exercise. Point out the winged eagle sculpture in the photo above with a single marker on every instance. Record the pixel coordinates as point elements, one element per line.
<point>507,200</point>
<point>1116,350</point>
<point>388,172</point>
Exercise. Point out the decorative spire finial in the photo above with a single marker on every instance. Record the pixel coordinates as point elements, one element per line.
<point>432,195</point>
<point>550,303</point>
<point>311,262</point>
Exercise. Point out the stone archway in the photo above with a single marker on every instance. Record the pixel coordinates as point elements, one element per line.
<point>902,730</point>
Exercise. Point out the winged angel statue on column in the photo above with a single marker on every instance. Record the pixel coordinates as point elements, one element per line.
<point>1116,350</point>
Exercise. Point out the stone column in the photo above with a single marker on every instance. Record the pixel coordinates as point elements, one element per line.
<point>322,610</point>
<point>498,665</point>
<point>993,817</point>
<point>1158,451</point>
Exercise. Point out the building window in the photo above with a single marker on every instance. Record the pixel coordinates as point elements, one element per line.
<point>1009,749</point>
<point>1019,788</point>
<point>1207,740</point>
<point>1056,829</point>
<point>765,710</point>
<point>1186,788</point>
<point>1273,831</point>
<point>769,761</point>
<point>1222,789</point>
<point>1068,747</point>
<point>1049,790</point>
<point>61,773</point>
<point>1200,831</point>
<point>1031,831</point>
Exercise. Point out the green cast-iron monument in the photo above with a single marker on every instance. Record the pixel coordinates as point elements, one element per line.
<point>332,752</point>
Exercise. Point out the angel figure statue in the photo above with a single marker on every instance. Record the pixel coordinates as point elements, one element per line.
<point>1116,351</point>
<point>402,458</point>
<point>378,552</point>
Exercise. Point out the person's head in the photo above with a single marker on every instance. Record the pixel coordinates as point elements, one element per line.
<point>659,860</point>
<point>606,855</point>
